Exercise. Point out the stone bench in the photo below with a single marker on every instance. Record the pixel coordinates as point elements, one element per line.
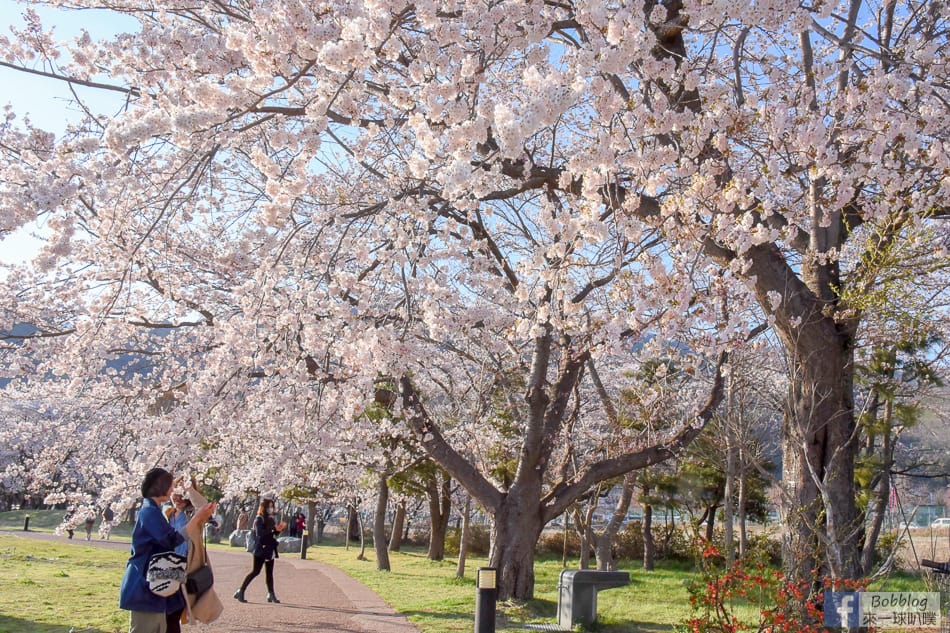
<point>577,594</point>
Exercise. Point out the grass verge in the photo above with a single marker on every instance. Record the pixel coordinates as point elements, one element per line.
<point>49,520</point>
<point>53,587</point>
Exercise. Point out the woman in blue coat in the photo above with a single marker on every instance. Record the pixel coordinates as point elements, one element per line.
<point>152,535</point>
<point>265,549</point>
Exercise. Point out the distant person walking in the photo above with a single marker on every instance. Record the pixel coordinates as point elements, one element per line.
<point>213,528</point>
<point>69,523</point>
<point>152,534</point>
<point>265,549</point>
<point>105,525</point>
<point>88,524</point>
<point>243,520</point>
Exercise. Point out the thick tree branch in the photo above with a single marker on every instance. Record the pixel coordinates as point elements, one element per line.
<point>435,445</point>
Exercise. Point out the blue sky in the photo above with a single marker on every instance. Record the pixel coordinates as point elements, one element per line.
<point>47,100</point>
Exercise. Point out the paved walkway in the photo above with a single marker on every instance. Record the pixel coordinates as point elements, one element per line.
<point>315,597</point>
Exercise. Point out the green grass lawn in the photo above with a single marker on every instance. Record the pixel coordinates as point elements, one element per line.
<point>51,587</point>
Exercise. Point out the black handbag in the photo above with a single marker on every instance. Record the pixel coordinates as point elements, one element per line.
<point>200,580</point>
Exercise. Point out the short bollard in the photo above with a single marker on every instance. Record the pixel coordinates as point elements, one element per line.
<point>26,523</point>
<point>485,599</point>
<point>304,544</point>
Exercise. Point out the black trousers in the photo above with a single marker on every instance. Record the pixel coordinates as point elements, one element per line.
<point>268,566</point>
<point>173,621</point>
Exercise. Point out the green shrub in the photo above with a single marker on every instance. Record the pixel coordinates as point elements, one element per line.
<point>671,543</point>
<point>886,541</point>
<point>763,546</point>
<point>629,542</point>
<point>417,538</point>
<point>553,543</point>
<point>478,544</point>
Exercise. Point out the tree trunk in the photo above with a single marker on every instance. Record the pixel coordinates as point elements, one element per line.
<point>439,494</point>
<point>348,532</point>
<point>359,522</point>
<point>565,530</point>
<point>603,554</point>
<point>883,493</point>
<point>710,523</point>
<point>649,546</point>
<point>874,529</point>
<point>379,523</point>
<point>311,519</point>
<point>669,529</point>
<point>604,542</point>
<point>516,528</point>
<point>395,540</point>
<point>464,537</point>
<point>819,449</point>
<point>818,434</point>
<point>742,509</point>
<point>354,525</point>
<point>728,518</point>
<point>582,521</point>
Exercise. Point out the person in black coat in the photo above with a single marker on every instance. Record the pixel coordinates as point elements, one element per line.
<point>266,530</point>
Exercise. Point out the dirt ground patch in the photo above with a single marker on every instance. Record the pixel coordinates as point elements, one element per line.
<point>921,543</point>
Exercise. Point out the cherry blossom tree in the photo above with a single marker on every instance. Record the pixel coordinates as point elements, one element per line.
<point>307,196</point>
<point>65,450</point>
<point>293,256</point>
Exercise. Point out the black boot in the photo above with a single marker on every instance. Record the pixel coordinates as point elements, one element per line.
<point>239,595</point>
<point>272,598</point>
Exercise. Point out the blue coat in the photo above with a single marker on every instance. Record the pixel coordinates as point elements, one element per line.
<point>152,534</point>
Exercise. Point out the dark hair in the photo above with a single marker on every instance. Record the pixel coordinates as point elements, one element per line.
<point>262,509</point>
<point>156,482</point>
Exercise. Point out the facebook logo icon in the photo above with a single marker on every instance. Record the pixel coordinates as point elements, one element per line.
<point>842,609</point>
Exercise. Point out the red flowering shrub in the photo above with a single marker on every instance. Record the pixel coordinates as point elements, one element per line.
<point>783,605</point>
